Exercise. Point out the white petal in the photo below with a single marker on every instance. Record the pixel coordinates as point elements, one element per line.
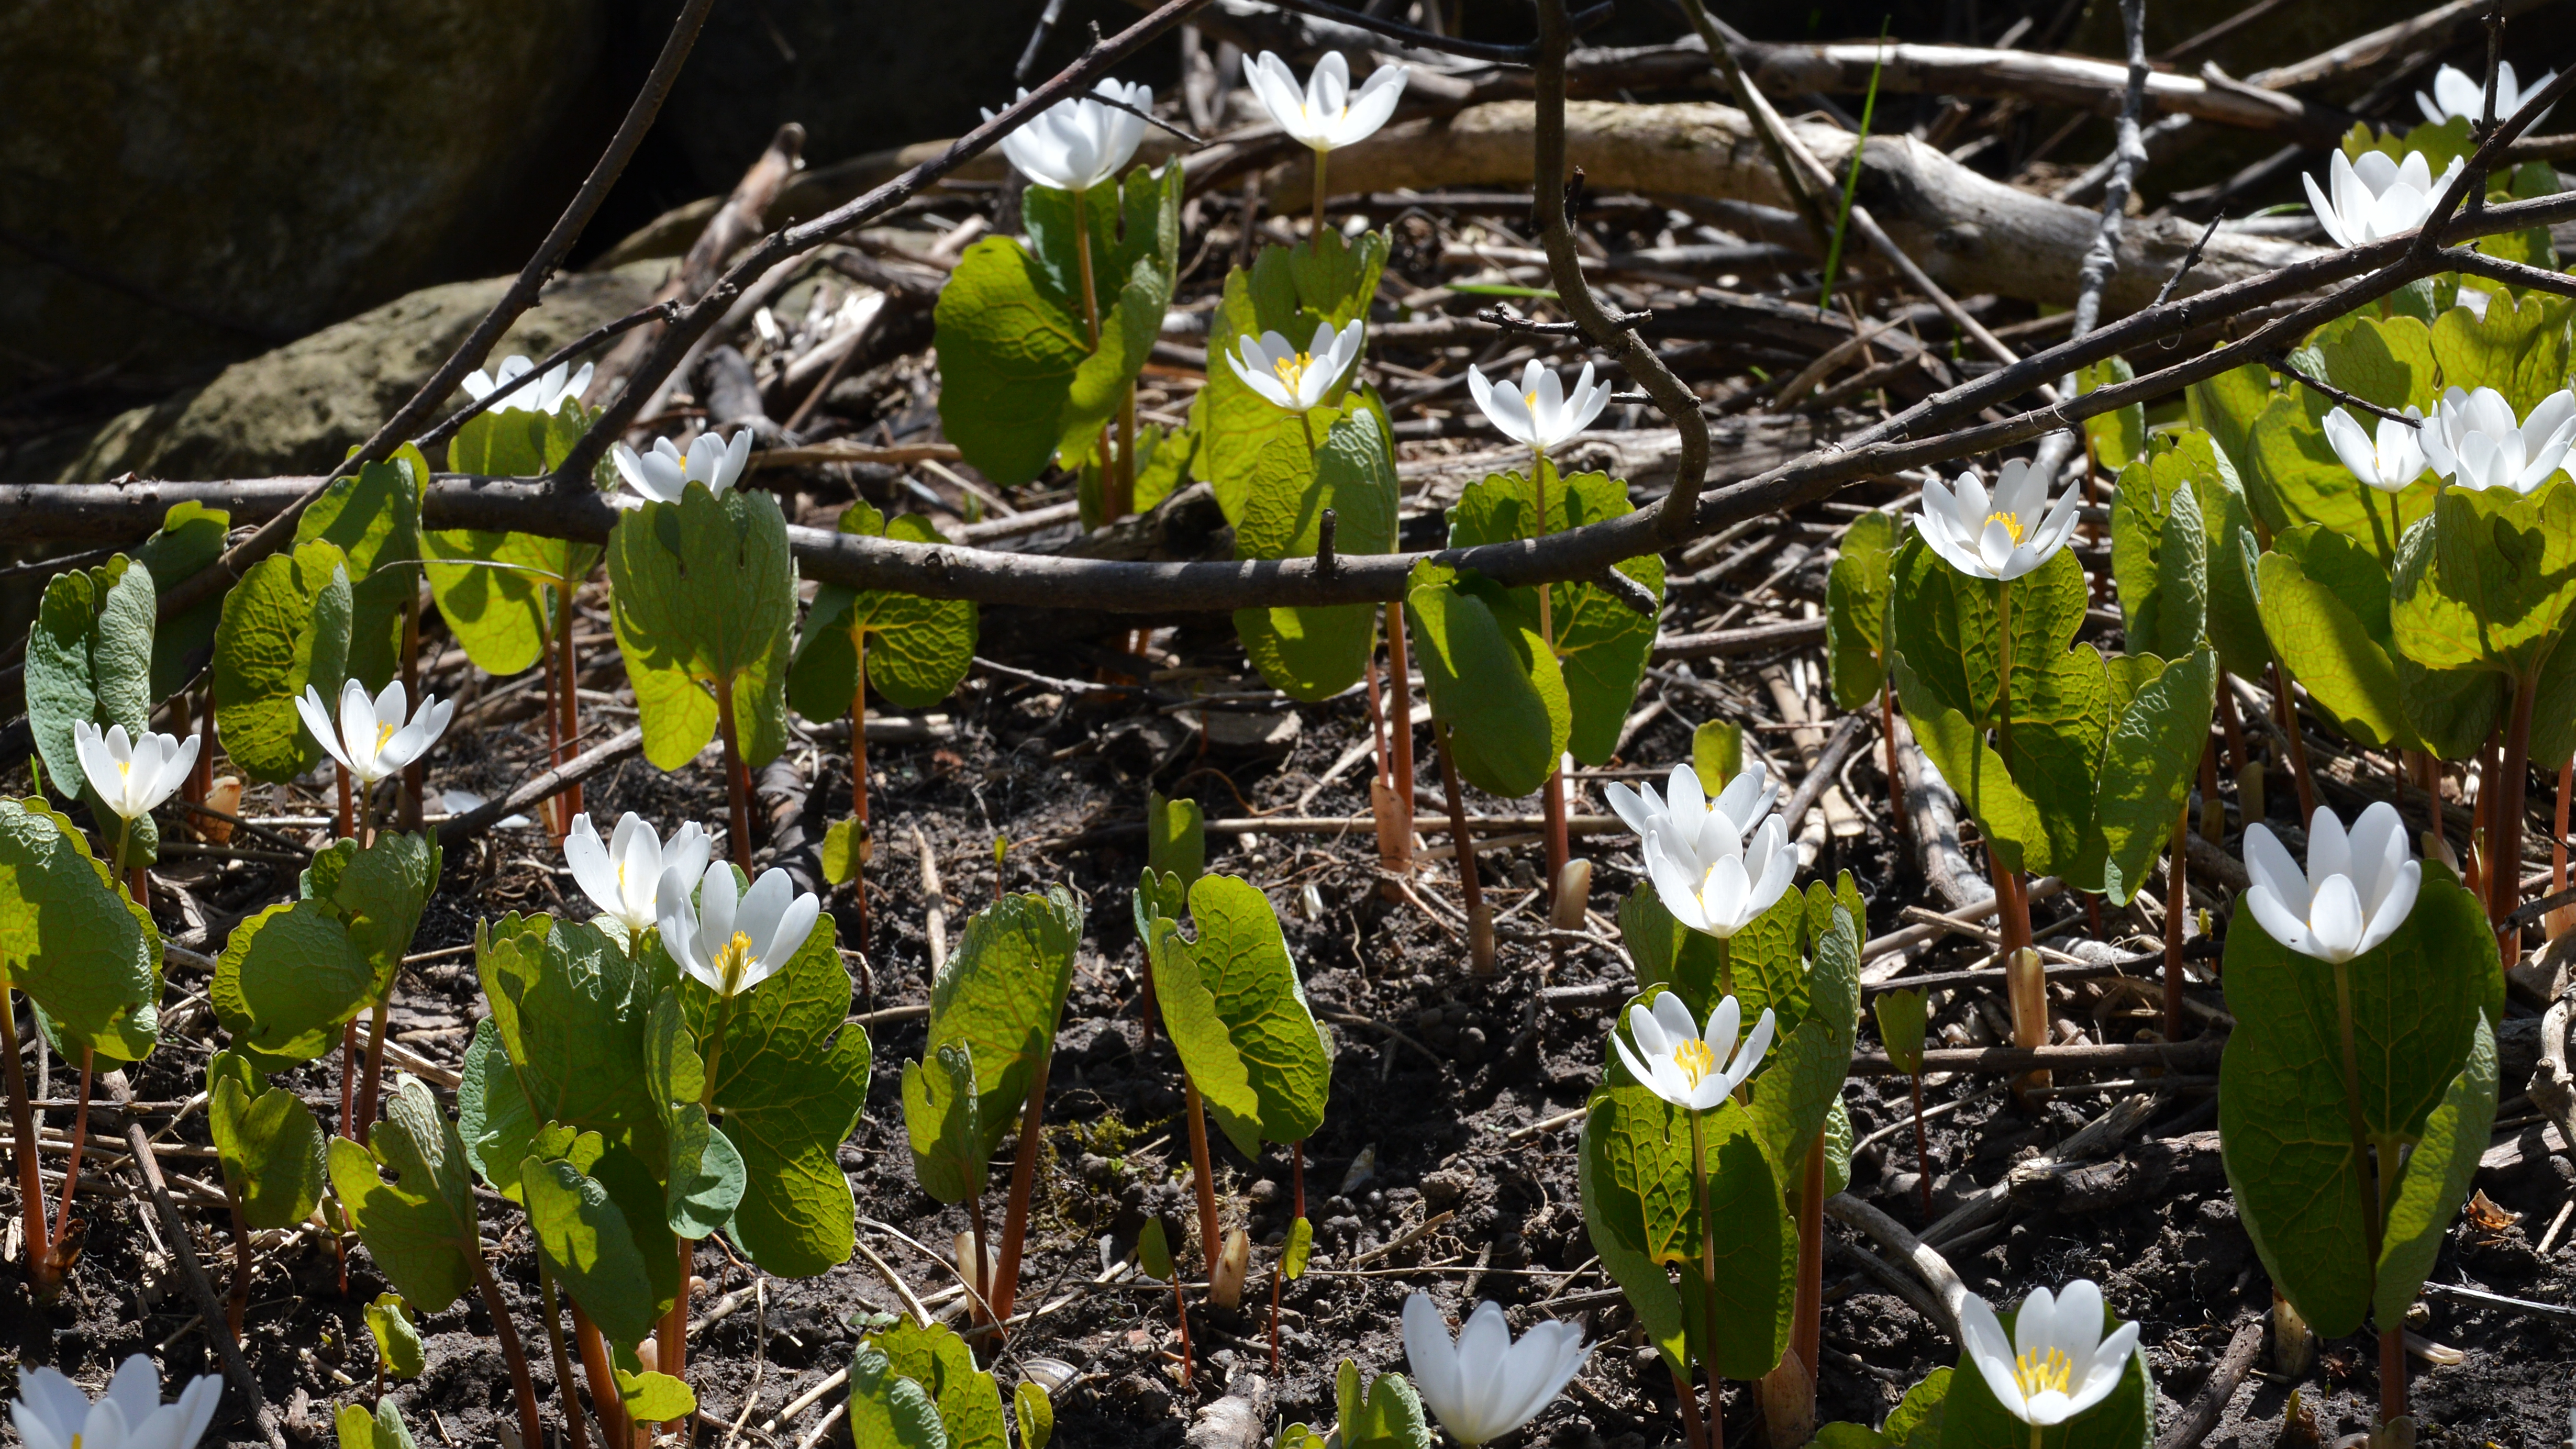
<point>2393,909</point>
<point>1431,1355</point>
<point>2268,863</point>
<point>590,865</point>
<point>1991,1351</point>
<point>2335,921</point>
<point>318,723</point>
<point>2110,1361</point>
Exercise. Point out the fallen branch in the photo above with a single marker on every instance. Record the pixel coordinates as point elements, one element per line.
<point>2199,1052</point>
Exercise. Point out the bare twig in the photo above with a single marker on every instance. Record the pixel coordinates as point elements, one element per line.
<point>2211,1403</point>
<point>566,353</point>
<point>2281,362</point>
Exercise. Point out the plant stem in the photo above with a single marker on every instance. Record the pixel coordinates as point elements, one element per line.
<point>1181,1317</point>
<point>2392,1386</point>
<point>349,1080</point>
<point>1024,1172</point>
<point>1807,1315</point>
<point>2558,832</point>
<point>2177,902</point>
<point>859,781</point>
<point>343,825</point>
<point>22,1124</point>
<point>737,776</point>
<point>1708,1279</point>
<point>603,1381</point>
<point>375,1067</point>
<point>1694,1433</point>
<point>1725,966</point>
<point>1090,289</point>
<point>1204,1169</point>
<point>2504,822</point>
<point>557,820</point>
<point>1480,921</point>
<point>569,671</point>
<point>1118,483</point>
<point>2287,718</point>
<point>2213,811</point>
<point>1316,233</point>
<point>238,1307</point>
<point>1400,727</point>
<point>671,1335</point>
<point>574,1427</point>
<point>514,1353</point>
<point>1899,818</point>
<point>71,1172</point>
<point>1552,806</point>
<point>1922,1159</point>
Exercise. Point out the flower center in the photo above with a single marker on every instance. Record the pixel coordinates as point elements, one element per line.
<point>732,960</point>
<point>384,732</point>
<point>1292,370</point>
<point>1697,1062</point>
<point>2037,1374</point>
<point>2011,523</point>
<point>1530,398</point>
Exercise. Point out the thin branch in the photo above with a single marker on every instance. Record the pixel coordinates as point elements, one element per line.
<point>1446,44</point>
<point>1196,143</point>
<point>2447,206</point>
<point>2190,259</point>
<point>2512,273</point>
<point>215,578</point>
<point>2281,363</point>
<point>1503,315</point>
<point>566,353</point>
<point>2102,258</point>
<point>778,246</point>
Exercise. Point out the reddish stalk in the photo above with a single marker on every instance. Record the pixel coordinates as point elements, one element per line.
<point>2177,902</point>
<point>1377,721</point>
<point>671,1335</point>
<point>1480,921</point>
<point>2504,824</point>
<point>2287,717</point>
<point>603,1382</point>
<point>2213,811</point>
<point>201,776</point>
<point>979,1280</point>
<point>737,777</point>
<point>349,1080</point>
<point>2558,832</point>
<point>2392,1375</point>
<point>1400,729</point>
<point>1922,1159</point>
<point>859,783</point>
<point>1024,1172</point>
<point>1206,1173</point>
<point>531,1425</point>
<point>1807,1312</point>
<point>1181,1317</point>
<point>342,825</point>
<point>574,1426</point>
<point>1694,1433</point>
<point>1552,806</point>
<point>569,671</point>
<point>375,1067</point>
<point>238,1307</point>
<point>1899,814</point>
<point>80,1140</point>
<point>41,1276</point>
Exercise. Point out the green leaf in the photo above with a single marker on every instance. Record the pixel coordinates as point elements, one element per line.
<point>2148,765</point>
<point>1717,754</point>
<point>2384,360</point>
<point>1490,676</point>
<point>374,516</point>
<point>1916,1421</point>
<point>1641,1205</point>
<point>570,1006</point>
<point>379,894</point>
<point>1388,1416</point>
<point>2160,556</point>
<point>89,661</point>
<point>384,1429</point>
<point>268,1143</point>
<point>2324,604</point>
<point>1314,651</point>
<point>85,954</point>
<point>1802,1081</point>
<point>790,1084</point>
<point>2496,587</point>
<point>1035,1413</point>
<point>916,649</point>
<point>2435,1180</point>
<point>420,1227</point>
<point>887,1410</point>
<point>1601,644</point>
<point>2416,1003</point>
<point>1288,290</point>
<point>1162,464</point>
<point>1237,1015</point>
<point>1856,609</point>
<point>1154,1251</point>
<point>933,1356</point>
<point>948,1159</point>
<point>2120,435</point>
<point>703,593</point>
<point>592,1248</point>
<point>190,539</point>
<point>2225,407</point>
<point>498,591</point>
<point>1300,1247</point>
<point>1175,838</point>
<point>285,626</point>
<point>1901,1019</point>
<point>2305,482</point>
<point>397,1338</point>
<point>1969,1417</point>
<point>1000,994</point>
<point>845,849</point>
<point>651,1398</point>
<point>704,1174</point>
<point>2520,348</point>
<point>493,1119</point>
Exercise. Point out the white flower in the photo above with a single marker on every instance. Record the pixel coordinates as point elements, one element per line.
<point>1696,831</point>
<point>1687,1066</point>
<point>1718,885</point>
<point>663,474</point>
<point>132,778</point>
<point>373,740</point>
<point>1999,538</point>
<point>2376,197</point>
<point>542,396</point>
<point>732,946</point>
<point>2354,894</point>
<point>2387,462</point>
<point>2472,439</point>
<point>624,877</point>
<point>1484,1386</point>
<point>1077,143</point>
<point>52,1413</point>
<point>1539,413</point>
<point>2457,93</point>
<point>1325,115</point>
<point>2057,1364</point>
<point>1297,380</point>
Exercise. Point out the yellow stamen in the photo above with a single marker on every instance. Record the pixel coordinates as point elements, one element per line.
<point>2037,1374</point>
<point>384,732</point>
<point>1290,369</point>
<point>732,960</point>
<point>2011,523</point>
<point>1530,398</point>
<point>1697,1062</point>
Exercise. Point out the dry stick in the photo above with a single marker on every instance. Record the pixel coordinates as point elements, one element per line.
<point>532,1428</point>
<point>2218,1388</point>
<point>215,578</point>
<point>2102,258</point>
<point>1673,516</point>
<point>1480,920</point>
<point>1024,1171</point>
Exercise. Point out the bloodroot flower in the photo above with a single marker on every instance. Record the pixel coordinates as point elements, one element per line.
<point>2057,1363</point>
<point>1293,380</point>
<point>52,1413</point>
<point>1076,144</point>
<point>2376,196</point>
<point>1325,115</point>
<point>373,739</point>
<point>624,876</point>
<point>1540,414</point>
<point>1999,537</point>
<point>1691,1067</point>
<point>2355,893</point>
<point>1483,1385</point>
<point>2387,460</point>
<point>545,395</point>
<point>132,778</point>
<point>664,474</point>
<point>732,945</point>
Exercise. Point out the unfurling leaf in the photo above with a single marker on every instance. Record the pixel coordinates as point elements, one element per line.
<point>267,1141</point>
<point>285,626</point>
<point>1237,1014</point>
<point>397,1338</point>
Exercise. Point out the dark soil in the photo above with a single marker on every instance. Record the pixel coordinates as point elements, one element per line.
<point>1450,1094</point>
